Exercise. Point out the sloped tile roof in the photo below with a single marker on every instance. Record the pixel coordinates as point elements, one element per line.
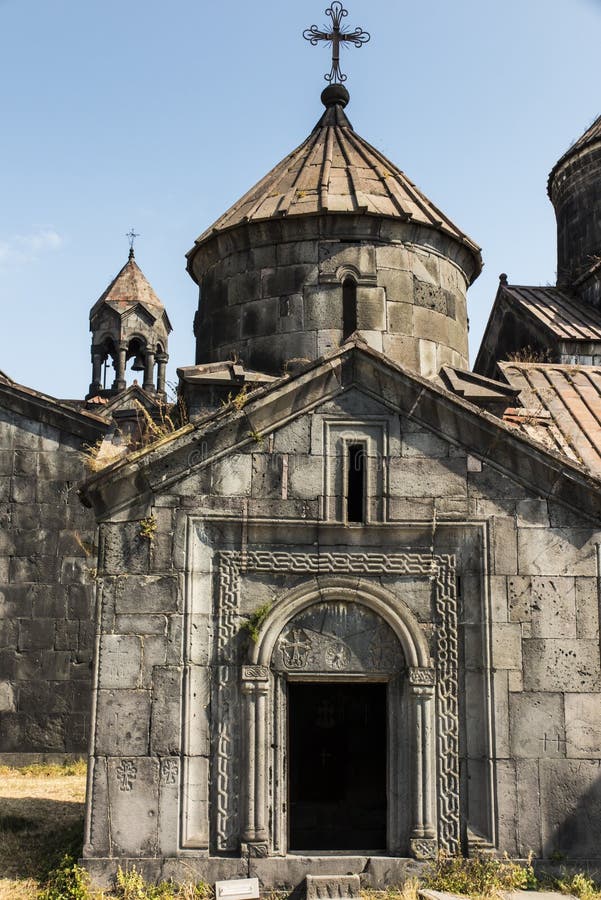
<point>567,318</point>
<point>336,171</point>
<point>561,408</point>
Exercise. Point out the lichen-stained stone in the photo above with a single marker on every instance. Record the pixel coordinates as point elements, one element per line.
<point>583,726</point>
<point>537,726</point>
<point>122,722</point>
<point>558,664</point>
<point>133,797</point>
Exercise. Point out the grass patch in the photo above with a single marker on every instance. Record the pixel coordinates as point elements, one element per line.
<point>479,876</point>
<point>45,770</point>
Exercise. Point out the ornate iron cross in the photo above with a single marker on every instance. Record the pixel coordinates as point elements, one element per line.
<point>132,237</point>
<point>336,37</point>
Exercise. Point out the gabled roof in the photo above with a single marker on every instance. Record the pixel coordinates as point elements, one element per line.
<point>561,408</point>
<point>336,171</point>
<point>57,413</point>
<point>128,289</point>
<point>128,487</point>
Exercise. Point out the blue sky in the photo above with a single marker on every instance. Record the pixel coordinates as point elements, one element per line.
<point>161,115</point>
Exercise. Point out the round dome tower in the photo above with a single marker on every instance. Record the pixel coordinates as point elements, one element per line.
<point>334,240</point>
<point>574,188</point>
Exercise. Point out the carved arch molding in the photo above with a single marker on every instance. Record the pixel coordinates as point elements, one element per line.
<point>440,569</point>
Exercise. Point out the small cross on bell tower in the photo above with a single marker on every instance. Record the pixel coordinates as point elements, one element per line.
<point>337,37</point>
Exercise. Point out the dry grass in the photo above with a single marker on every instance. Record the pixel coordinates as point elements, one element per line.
<point>41,817</point>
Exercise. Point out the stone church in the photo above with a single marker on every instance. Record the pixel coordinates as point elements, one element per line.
<point>348,614</point>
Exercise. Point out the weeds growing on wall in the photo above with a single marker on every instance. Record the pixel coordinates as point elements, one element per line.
<point>253,623</point>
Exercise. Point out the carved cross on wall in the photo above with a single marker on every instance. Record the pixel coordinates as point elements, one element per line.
<point>336,37</point>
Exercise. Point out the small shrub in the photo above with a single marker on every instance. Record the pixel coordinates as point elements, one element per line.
<point>481,876</point>
<point>132,886</point>
<point>578,884</point>
<point>67,881</point>
<point>148,527</point>
<point>255,620</point>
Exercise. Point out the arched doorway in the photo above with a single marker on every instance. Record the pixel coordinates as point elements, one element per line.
<point>338,703</point>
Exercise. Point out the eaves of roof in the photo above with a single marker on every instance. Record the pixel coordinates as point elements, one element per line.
<point>42,408</point>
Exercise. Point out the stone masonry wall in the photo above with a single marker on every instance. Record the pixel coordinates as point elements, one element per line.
<point>267,300</point>
<point>47,560</point>
<point>529,668</point>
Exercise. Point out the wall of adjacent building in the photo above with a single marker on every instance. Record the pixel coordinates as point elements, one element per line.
<point>47,562</point>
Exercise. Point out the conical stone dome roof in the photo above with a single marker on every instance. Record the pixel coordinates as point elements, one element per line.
<point>335,171</point>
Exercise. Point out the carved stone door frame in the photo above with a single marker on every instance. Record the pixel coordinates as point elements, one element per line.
<point>264,698</point>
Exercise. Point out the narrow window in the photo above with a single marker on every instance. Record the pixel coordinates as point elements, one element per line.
<point>349,307</point>
<point>355,485</point>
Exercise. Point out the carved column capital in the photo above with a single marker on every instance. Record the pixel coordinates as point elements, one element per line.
<point>255,673</point>
<point>423,848</point>
<point>420,676</point>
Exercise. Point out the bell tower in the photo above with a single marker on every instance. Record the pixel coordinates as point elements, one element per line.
<point>129,322</point>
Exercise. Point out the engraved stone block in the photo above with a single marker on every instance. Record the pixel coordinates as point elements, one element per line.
<point>237,889</point>
<point>332,887</point>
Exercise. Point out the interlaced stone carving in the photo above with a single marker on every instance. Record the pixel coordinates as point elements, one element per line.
<point>441,570</point>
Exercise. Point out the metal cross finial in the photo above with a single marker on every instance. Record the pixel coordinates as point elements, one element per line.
<point>336,37</point>
<point>132,236</point>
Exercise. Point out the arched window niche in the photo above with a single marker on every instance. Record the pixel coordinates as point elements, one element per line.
<point>345,648</point>
<point>349,305</point>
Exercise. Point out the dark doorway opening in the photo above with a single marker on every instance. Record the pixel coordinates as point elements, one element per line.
<point>337,766</point>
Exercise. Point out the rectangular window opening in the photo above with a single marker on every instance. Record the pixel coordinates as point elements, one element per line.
<point>355,486</point>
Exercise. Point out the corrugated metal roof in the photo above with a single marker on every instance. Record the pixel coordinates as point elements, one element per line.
<point>561,408</point>
<point>566,317</point>
<point>332,171</point>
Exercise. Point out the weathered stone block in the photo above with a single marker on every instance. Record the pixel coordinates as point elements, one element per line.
<point>232,476</point>
<point>120,661</point>
<point>166,711</point>
<point>424,443</point>
<point>133,797</point>
<point>556,551</point>
<point>427,478</point>
<point>536,723</point>
<point>583,726</point>
<point>548,604</point>
<point>371,308</point>
<point>570,794</point>
<point>123,718</point>
<point>561,665</point>
<point>141,595</point>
